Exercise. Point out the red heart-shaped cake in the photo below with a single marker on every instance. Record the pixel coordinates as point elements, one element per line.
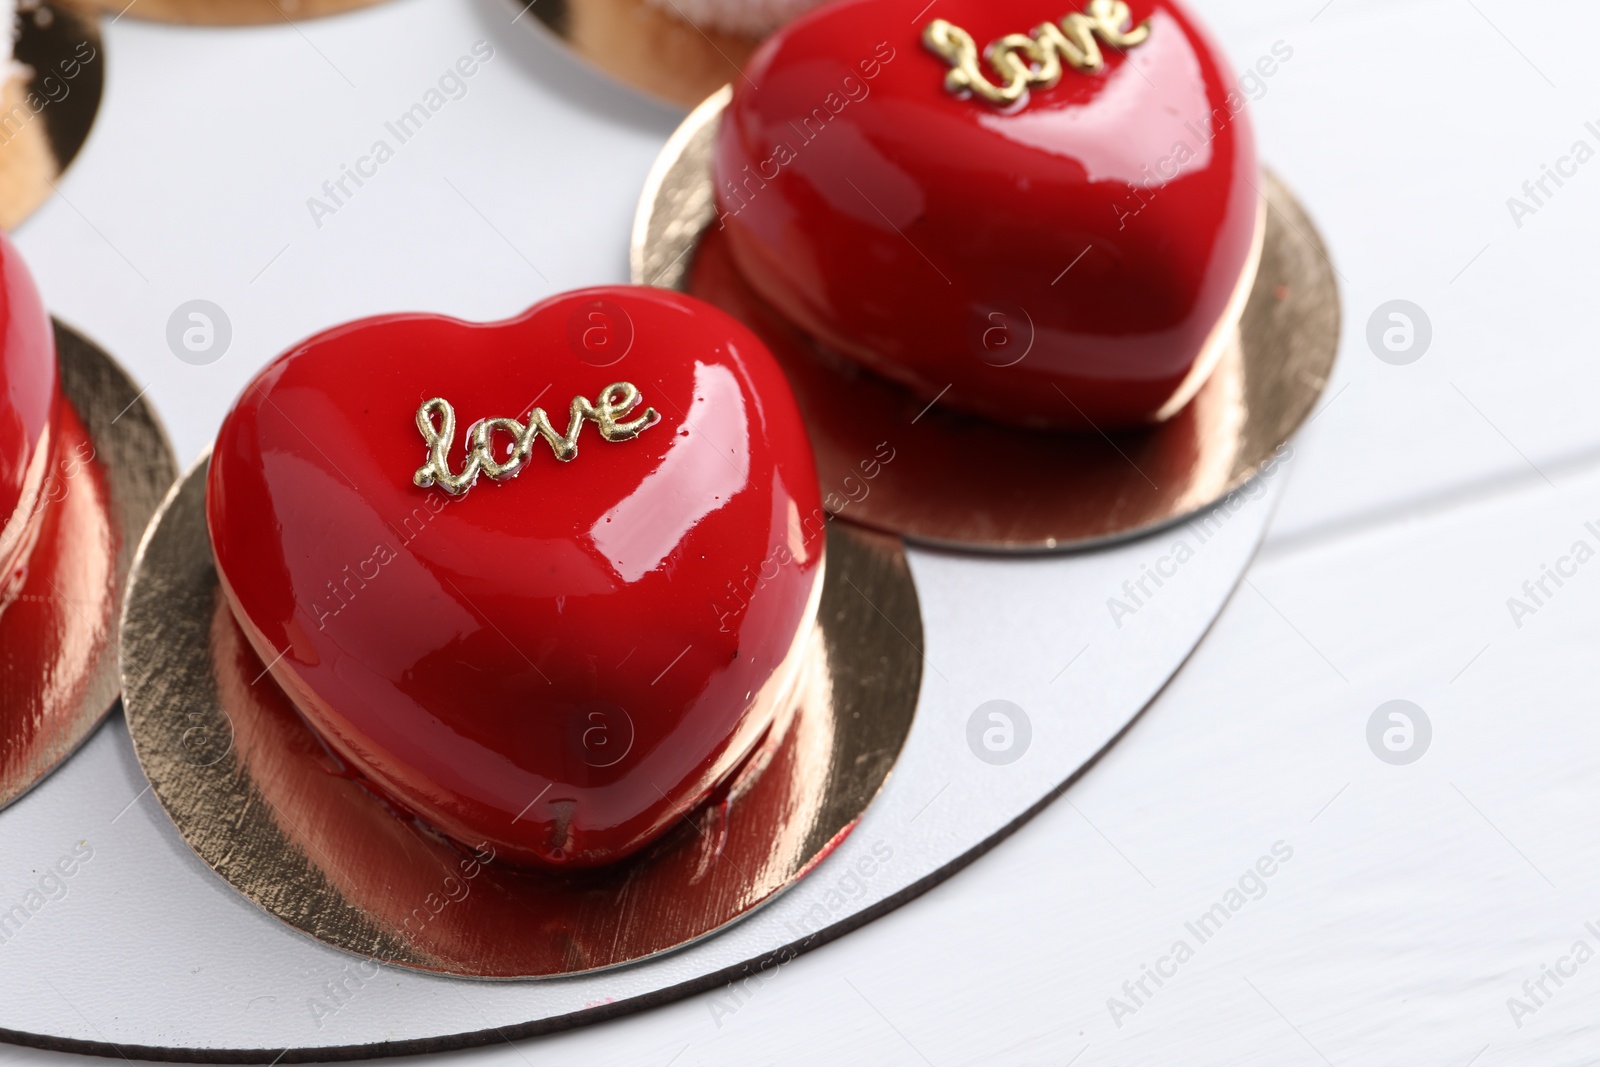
<point>550,629</point>
<point>29,417</point>
<point>1042,211</point>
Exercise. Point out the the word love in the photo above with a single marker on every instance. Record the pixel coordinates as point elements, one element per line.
<point>615,403</point>
<point>1034,59</point>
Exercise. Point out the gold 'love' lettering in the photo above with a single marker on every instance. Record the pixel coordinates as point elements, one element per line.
<point>1033,59</point>
<point>615,403</point>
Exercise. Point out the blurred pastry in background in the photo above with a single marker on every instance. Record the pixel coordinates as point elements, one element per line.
<point>53,75</point>
<point>750,18</point>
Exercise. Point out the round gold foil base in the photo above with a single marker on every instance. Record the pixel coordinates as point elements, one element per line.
<point>47,104</point>
<point>58,630</point>
<point>227,12</point>
<point>644,45</point>
<point>963,482</point>
<point>259,799</point>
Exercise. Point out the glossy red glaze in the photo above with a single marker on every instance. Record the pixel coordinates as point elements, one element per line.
<point>1058,262</point>
<point>29,397</point>
<point>557,665</point>
<point>59,616</point>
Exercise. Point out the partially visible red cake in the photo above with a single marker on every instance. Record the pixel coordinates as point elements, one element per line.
<point>29,395</point>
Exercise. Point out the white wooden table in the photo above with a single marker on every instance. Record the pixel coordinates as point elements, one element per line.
<point>1418,898</point>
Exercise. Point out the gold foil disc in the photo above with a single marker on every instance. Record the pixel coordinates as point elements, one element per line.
<point>962,482</point>
<point>227,12</point>
<point>58,632</point>
<point>258,798</point>
<point>48,101</point>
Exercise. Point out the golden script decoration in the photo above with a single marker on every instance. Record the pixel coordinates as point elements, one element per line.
<point>616,401</point>
<point>1028,59</point>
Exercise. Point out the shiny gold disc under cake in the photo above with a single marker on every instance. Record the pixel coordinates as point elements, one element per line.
<point>58,628</point>
<point>960,481</point>
<point>227,12</point>
<point>48,101</point>
<point>256,795</point>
